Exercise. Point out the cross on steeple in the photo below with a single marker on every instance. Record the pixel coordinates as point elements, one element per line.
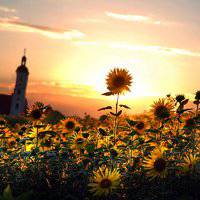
<point>24,59</point>
<point>24,52</point>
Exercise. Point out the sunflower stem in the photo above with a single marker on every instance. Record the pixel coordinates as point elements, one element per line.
<point>197,110</point>
<point>116,117</point>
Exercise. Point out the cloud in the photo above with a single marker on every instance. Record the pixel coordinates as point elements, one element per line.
<point>155,49</point>
<point>145,48</point>
<point>54,88</point>
<point>9,24</point>
<point>87,43</point>
<point>135,18</point>
<point>7,10</point>
<point>91,20</point>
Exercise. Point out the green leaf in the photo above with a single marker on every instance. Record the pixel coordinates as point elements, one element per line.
<point>112,113</point>
<point>105,108</point>
<point>131,122</point>
<point>184,110</point>
<point>119,113</point>
<point>90,148</point>
<point>196,102</point>
<point>103,117</point>
<point>7,193</point>
<point>152,131</point>
<point>124,106</point>
<point>107,94</point>
<point>185,102</point>
<point>25,196</point>
<point>103,132</point>
<point>133,132</point>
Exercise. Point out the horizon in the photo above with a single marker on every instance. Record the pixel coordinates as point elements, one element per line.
<point>70,53</point>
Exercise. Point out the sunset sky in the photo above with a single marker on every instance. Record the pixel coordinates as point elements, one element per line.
<point>72,44</point>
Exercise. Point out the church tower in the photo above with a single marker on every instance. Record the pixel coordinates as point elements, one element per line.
<point>19,101</point>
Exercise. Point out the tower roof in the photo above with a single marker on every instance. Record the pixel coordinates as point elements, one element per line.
<point>22,68</point>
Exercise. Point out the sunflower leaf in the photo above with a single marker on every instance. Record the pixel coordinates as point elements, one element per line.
<point>131,122</point>
<point>124,106</point>
<point>107,93</point>
<point>112,113</point>
<point>7,193</point>
<point>103,132</point>
<point>119,113</point>
<point>185,102</point>
<point>105,108</point>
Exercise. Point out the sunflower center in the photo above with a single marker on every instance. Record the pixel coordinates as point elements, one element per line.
<point>105,183</point>
<point>80,141</point>
<point>190,122</point>
<point>70,125</point>
<point>2,122</point>
<point>118,81</point>
<point>190,166</point>
<point>140,125</point>
<point>36,114</point>
<point>160,164</point>
<point>162,112</point>
<point>12,143</point>
<point>113,152</point>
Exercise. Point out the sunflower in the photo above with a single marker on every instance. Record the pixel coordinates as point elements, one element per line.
<point>37,135</point>
<point>115,152</point>
<point>118,81</point>
<point>197,95</point>
<point>180,98</point>
<point>104,182</point>
<point>35,113</point>
<point>190,123</point>
<point>12,143</point>
<point>140,126</point>
<point>190,162</point>
<point>69,124</point>
<point>156,164</point>
<point>162,109</point>
<point>77,141</point>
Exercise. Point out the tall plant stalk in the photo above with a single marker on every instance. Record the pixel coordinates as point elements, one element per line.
<point>116,118</point>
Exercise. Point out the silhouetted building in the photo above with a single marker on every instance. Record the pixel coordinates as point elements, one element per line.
<point>16,103</point>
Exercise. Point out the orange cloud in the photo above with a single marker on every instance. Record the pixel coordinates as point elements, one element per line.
<point>54,88</point>
<point>155,49</point>
<point>135,18</point>
<point>144,48</point>
<point>54,33</point>
<point>7,10</point>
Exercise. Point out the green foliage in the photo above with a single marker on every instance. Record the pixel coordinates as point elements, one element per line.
<point>41,159</point>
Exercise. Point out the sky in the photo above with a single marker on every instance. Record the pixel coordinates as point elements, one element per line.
<point>72,45</point>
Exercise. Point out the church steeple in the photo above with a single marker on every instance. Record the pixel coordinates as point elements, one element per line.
<point>22,67</point>
<point>19,97</point>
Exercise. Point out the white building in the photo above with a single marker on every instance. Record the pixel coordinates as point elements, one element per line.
<point>16,103</point>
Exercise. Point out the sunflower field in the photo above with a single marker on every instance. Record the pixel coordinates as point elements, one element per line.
<point>153,155</point>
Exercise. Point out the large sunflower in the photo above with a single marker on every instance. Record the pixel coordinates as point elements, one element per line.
<point>104,182</point>
<point>156,164</point>
<point>118,81</point>
<point>69,124</point>
<point>162,109</point>
<point>77,141</point>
